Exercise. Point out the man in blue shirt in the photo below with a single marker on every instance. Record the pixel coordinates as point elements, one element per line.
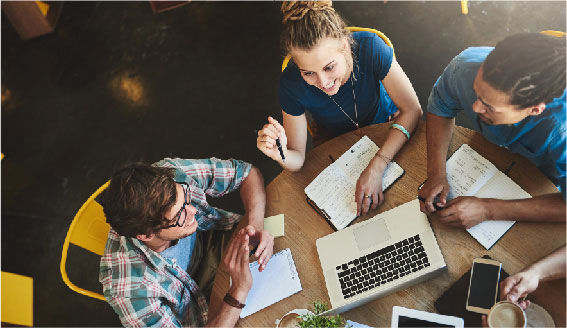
<point>515,96</point>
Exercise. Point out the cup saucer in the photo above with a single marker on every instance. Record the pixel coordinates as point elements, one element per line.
<point>538,316</point>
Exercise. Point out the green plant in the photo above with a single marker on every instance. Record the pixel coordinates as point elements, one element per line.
<point>318,320</point>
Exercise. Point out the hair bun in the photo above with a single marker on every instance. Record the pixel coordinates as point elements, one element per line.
<point>295,10</point>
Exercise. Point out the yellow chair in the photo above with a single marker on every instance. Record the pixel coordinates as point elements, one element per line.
<point>464,7</point>
<point>17,299</point>
<point>311,126</point>
<point>88,230</point>
<point>558,34</point>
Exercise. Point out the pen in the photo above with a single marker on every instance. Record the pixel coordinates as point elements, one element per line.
<point>280,149</point>
<point>435,201</point>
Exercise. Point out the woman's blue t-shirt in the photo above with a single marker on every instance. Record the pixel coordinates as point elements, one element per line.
<point>373,60</point>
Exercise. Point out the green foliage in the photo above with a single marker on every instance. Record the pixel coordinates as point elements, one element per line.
<point>318,320</point>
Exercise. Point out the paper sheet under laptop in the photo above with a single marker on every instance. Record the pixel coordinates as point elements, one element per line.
<point>278,281</point>
<point>470,174</point>
<point>333,189</point>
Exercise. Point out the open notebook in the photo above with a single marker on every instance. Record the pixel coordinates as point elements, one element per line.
<point>331,193</point>
<point>470,174</point>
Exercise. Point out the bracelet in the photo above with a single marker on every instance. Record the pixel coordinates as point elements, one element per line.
<point>233,301</point>
<point>401,128</point>
<point>384,158</point>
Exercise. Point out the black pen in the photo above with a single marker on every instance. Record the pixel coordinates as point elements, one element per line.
<point>280,149</point>
<point>435,201</point>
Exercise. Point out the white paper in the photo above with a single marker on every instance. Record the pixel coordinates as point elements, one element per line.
<point>470,174</point>
<point>333,189</point>
<point>487,233</point>
<point>278,281</point>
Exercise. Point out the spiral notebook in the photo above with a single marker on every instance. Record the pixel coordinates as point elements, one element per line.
<point>331,193</point>
<point>470,174</point>
<point>278,281</point>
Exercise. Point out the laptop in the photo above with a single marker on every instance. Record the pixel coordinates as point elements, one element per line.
<point>379,256</point>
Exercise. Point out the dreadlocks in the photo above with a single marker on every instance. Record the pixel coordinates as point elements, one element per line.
<point>529,67</point>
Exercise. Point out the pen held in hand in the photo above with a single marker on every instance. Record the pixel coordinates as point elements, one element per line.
<point>278,143</point>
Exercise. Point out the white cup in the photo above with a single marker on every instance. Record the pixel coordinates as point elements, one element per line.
<point>291,319</point>
<point>506,314</point>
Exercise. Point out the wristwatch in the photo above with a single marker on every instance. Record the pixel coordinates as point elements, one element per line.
<point>233,301</point>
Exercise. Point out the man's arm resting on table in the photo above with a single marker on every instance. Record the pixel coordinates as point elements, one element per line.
<point>466,212</point>
<point>544,208</point>
<point>439,131</point>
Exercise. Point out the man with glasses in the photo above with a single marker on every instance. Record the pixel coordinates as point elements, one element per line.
<point>514,95</point>
<point>165,241</point>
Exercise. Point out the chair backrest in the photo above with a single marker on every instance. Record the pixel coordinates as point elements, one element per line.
<point>17,299</point>
<point>311,126</point>
<point>88,230</point>
<point>554,33</point>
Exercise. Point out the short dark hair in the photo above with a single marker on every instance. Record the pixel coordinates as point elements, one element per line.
<point>138,197</point>
<point>529,67</point>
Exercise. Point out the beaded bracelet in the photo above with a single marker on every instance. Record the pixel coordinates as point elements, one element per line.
<point>401,128</point>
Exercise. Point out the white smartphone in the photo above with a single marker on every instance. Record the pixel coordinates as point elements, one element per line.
<point>483,287</point>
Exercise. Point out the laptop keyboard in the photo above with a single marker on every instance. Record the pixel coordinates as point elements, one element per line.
<point>382,266</point>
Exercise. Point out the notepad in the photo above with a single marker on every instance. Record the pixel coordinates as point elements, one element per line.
<point>470,174</point>
<point>278,281</point>
<point>331,193</point>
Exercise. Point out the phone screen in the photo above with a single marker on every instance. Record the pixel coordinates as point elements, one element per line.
<point>484,285</point>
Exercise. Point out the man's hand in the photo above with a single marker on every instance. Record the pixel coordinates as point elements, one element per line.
<point>265,245</point>
<point>464,212</point>
<point>434,187</point>
<point>370,184</point>
<point>515,287</point>
<point>237,261</point>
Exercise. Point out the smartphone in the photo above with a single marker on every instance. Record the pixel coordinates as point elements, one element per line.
<point>483,287</point>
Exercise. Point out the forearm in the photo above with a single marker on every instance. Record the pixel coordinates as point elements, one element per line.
<point>396,139</point>
<point>549,207</point>
<point>439,132</point>
<point>293,160</point>
<point>551,266</point>
<point>227,315</point>
<point>253,197</point>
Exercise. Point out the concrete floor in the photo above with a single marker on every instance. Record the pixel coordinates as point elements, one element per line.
<point>117,83</point>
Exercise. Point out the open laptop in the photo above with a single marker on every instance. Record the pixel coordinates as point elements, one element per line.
<point>376,257</point>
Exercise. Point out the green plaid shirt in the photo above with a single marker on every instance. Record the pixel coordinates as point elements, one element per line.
<point>146,289</point>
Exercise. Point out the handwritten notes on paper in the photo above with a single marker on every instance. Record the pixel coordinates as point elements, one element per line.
<point>333,189</point>
<point>278,281</point>
<point>470,174</point>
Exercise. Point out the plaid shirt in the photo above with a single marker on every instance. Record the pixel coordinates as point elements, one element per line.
<point>146,289</point>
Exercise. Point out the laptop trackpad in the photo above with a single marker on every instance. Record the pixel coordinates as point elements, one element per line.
<point>372,233</point>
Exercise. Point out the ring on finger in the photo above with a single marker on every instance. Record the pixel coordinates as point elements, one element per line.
<point>367,196</point>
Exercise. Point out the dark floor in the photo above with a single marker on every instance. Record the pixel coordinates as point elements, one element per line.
<point>117,82</point>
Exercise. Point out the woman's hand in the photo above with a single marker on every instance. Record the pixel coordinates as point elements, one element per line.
<point>370,184</point>
<point>266,141</point>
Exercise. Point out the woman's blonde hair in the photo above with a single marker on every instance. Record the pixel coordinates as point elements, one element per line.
<point>307,22</point>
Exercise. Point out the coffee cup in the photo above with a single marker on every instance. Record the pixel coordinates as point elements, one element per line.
<point>506,314</point>
<point>292,318</point>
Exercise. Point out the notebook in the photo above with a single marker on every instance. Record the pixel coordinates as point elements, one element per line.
<point>379,256</point>
<point>331,193</point>
<point>264,292</point>
<point>470,174</point>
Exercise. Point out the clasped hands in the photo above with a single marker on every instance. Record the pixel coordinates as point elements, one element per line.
<point>237,256</point>
<point>463,211</point>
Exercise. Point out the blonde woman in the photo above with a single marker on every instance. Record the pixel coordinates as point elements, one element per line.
<point>345,81</point>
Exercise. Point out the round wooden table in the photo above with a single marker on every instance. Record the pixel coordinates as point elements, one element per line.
<point>523,244</point>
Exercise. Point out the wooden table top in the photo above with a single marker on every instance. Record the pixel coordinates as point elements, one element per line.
<point>523,244</point>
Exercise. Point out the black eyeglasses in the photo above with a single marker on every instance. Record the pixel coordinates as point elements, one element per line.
<point>183,209</point>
